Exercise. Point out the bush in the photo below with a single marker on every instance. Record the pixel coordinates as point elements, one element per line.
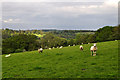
<point>24,50</point>
<point>19,42</point>
<point>18,50</point>
<point>7,51</point>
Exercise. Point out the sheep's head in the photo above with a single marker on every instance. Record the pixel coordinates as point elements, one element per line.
<point>94,44</point>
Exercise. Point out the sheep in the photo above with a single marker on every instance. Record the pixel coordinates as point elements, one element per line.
<point>53,47</point>
<point>40,50</point>
<point>115,40</point>
<point>68,45</point>
<point>74,45</point>
<point>88,43</point>
<point>61,47</point>
<point>7,55</point>
<point>49,48</point>
<point>57,47</point>
<point>81,47</point>
<point>93,49</point>
<point>82,43</point>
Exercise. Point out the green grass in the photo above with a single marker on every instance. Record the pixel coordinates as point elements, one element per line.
<point>68,62</point>
<point>39,35</point>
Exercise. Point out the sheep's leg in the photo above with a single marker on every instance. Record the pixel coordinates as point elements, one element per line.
<point>94,53</point>
<point>91,53</point>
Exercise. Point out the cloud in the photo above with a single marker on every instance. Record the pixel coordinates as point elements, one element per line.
<point>5,21</point>
<point>60,15</point>
<point>53,0</point>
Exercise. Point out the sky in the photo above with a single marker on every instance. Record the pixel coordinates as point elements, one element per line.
<point>64,15</point>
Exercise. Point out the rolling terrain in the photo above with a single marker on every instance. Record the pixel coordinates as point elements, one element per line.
<point>68,62</point>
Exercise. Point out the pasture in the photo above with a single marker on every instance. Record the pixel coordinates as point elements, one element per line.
<point>39,35</point>
<point>68,62</point>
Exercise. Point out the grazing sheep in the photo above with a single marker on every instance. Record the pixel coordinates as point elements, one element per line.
<point>68,45</point>
<point>115,40</point>
<point>74,45</point>
<point>49,48</point>
<point>93,50</point>
<point>7,55</point>
<point>61,47</point>
<point>88,43</point>
<point>82,43</point>
<point>40,50</point>
<point>53,47</point>
<point>81,47</point>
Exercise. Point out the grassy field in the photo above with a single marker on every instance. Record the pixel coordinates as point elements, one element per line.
<point>39,35</point>
<point>68,62</point>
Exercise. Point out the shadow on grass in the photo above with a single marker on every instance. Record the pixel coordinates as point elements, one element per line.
<point>93,63</point>
<point>38,68</point>
<point>59,53</point>
<point>70,57</point>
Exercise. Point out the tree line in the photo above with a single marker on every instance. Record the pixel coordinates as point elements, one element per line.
<point>28,42</point>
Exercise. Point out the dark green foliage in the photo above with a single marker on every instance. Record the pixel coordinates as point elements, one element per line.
<point>91,38</point>
<point>17,40</point>
<point>51,40</point>
<point>69,34</point>
<point>18,50</point>
<point>116,33</point>
<point>82,38</point>
<point>107,33</point>
<point>104,33</point>
<point>18,43</point>
<point>71,42</point>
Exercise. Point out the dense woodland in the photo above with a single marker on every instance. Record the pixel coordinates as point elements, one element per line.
<point>14,41</point>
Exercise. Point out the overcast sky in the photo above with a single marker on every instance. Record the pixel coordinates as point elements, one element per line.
<point>59,15</point>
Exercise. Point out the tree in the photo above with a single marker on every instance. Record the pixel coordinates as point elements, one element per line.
<point>116,32</point>
<point>91,38</point>
<point>103,34</point>
<point>21,41</point>
<point>81,38</point>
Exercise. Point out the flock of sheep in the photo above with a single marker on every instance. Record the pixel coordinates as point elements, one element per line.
<point>93,49</point>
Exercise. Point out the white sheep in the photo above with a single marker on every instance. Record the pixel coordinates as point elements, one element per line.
<point>49,48</point>
<point>61,47</point>
<point>74,45</point>
<point>7,55</point>
<point>115,40</point>
<point>82,43</point>
<point>40,50</point>
<point>68,45</point>
<point>81,47</point>
<point>88,43</point>
<point>93,50</point>
<point>53,47</point>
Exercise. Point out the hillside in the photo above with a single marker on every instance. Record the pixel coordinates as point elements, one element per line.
<point>68,62</point>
